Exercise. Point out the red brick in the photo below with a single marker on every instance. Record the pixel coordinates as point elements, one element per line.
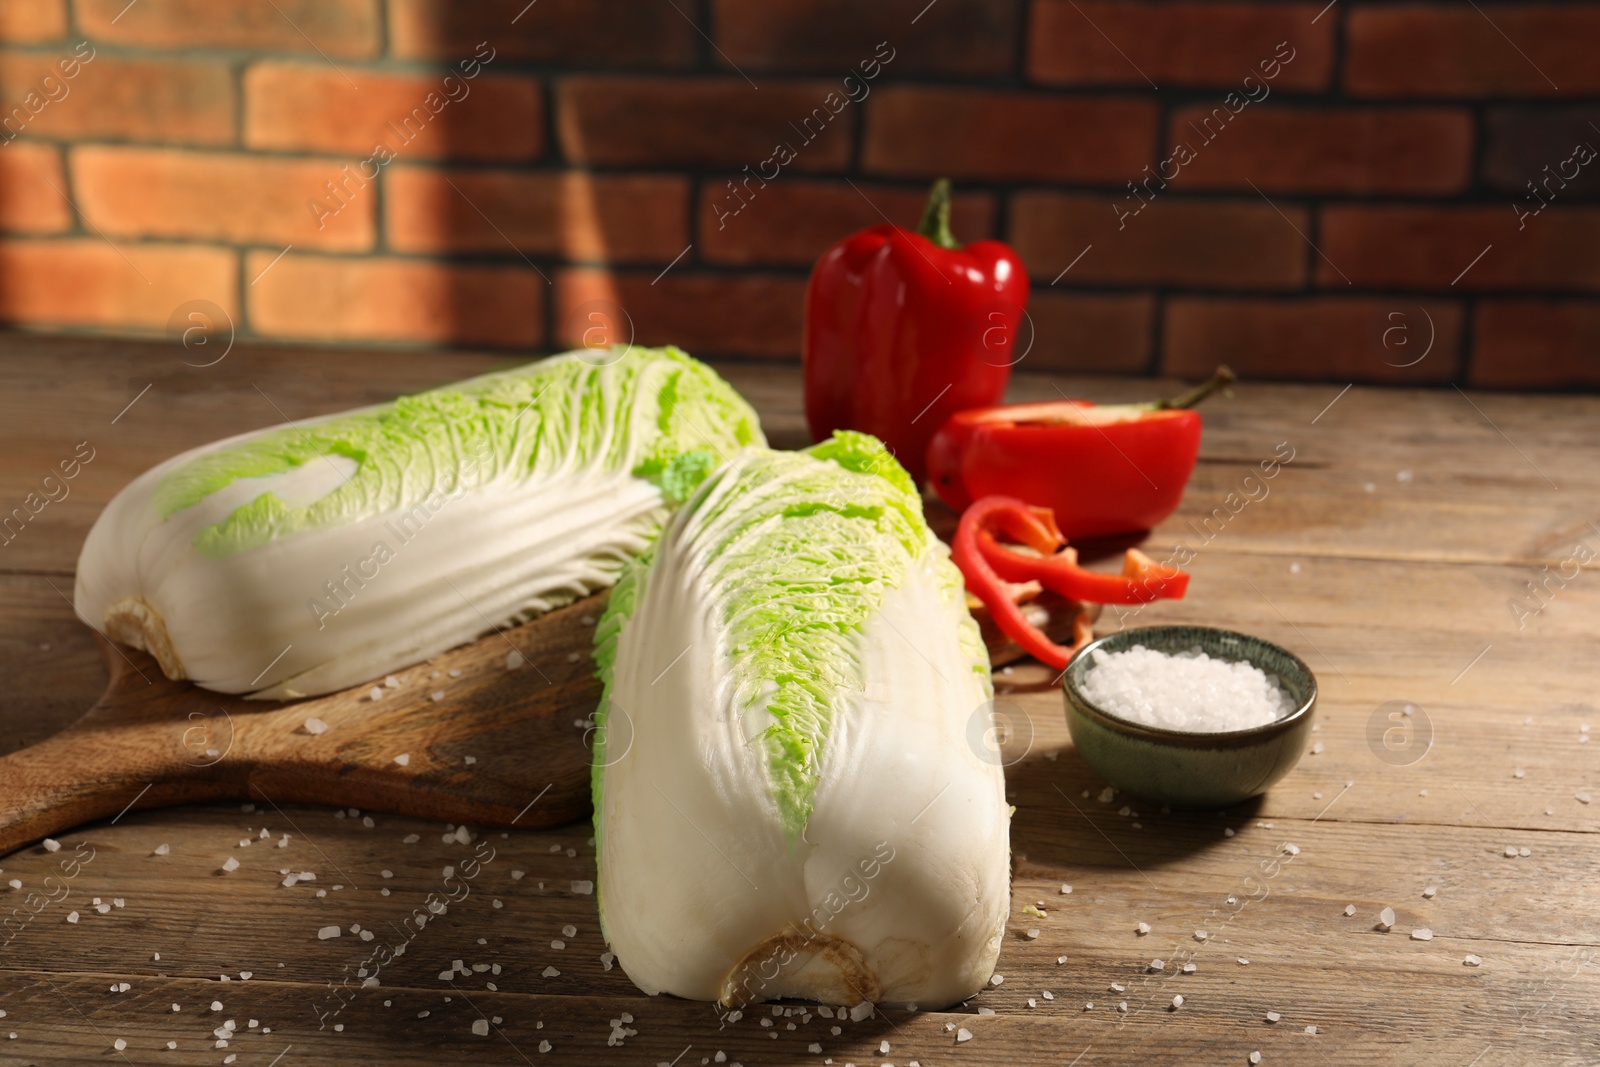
<point>694,122</point>
<point>28,203</point>
<point>31,21</point>
<point>968,38</point>
<point>747,315</point>
<point>1536,344</point>
<point>794,221</point>
<point>217,196</point>
<point>1520,142</point>
<point>1214,243</point>
<point>1363,339</point>
<point>605,33</point>
<point>334,27</point>
<point>87,282</point>
<point>964,133</point>
<point>1304,150</point>
<point>1099,42</point>
<point>318,298</point>
<point>570,214</point>
<point>310,107</point>
<point>1429,248</point>
<point>170,99</point>
<point>1088,333</point>
<point>1439,50</point>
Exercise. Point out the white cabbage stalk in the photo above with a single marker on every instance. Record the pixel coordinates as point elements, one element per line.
<point>302,559</point>
<point>793,791</point>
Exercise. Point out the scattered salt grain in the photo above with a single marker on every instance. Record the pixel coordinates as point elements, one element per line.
<point>1311,1030</point>
<point>230,864</point>
<point>315,725</point>
<point>374,693</point>
<point>1318,749</point>
<point>1582,798</point>
<point>1386,919</point>
<point>1142,929</point>
<point>1349,909</point>
<point>1060,960</point>
<point>996,979</point>
<point>583,886</point>
<point>1255,1057</point>
<point>1188,691</point>
<point>1430,892</point>
<point>51,845</point>
<point>1177,1002</point>
<point>550,972</point>
<point>403,759</point>
<point>1422,933</point>
<point>514,659</point>
<point>1065,890</point>
<point>1032,933</point>
<point>328,931</point>
<point>72,916</point>
<point>1472,961</point>
<point>480,1027</point>
<point>963,1034</point>
<point>119,1044</point>
<point>162,850</point>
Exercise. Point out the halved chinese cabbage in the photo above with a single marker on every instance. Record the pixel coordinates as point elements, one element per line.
<point>793,794</point>
<point>305,558</point>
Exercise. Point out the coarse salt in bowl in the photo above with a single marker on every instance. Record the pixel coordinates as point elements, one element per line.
<point>1188,715</point>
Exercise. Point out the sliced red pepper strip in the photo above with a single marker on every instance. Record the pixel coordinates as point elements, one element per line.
<point>1141,581</point>
<point>984,584</point>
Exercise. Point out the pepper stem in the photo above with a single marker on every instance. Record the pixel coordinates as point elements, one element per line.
<point>935,224</point>
<point>1223,378</point>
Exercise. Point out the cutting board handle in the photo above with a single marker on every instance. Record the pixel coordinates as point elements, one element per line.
<point>134,749</point>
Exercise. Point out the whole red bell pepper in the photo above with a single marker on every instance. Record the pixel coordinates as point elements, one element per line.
<point>902,329</point>
<point>1101,469</point>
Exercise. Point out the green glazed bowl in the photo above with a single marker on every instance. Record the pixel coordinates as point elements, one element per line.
<point>1180,767</point>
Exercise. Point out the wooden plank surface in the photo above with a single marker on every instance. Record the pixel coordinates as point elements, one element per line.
<point>1397,593</point>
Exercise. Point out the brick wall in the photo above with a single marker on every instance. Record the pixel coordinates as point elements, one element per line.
<point>1334,192</point>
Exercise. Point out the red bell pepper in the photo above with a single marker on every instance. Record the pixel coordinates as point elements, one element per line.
<point>1101,469</point>
<point>902,329</point>
<point>988,565</point>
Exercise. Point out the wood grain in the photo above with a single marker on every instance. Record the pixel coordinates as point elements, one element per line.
<point>1397,593</point>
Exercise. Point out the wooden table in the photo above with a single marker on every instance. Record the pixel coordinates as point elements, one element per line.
<point>1387,553</point>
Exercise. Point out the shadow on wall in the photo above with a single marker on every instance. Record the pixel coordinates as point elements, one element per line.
<point>542,252</point>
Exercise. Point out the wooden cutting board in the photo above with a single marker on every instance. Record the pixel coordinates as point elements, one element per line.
<point>501,747</point>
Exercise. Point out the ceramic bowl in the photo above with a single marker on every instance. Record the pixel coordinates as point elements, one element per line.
<point>1181,767</point>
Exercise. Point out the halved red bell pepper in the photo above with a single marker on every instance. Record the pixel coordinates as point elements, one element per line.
<point>987,565</point>
<point>1101,469</point>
